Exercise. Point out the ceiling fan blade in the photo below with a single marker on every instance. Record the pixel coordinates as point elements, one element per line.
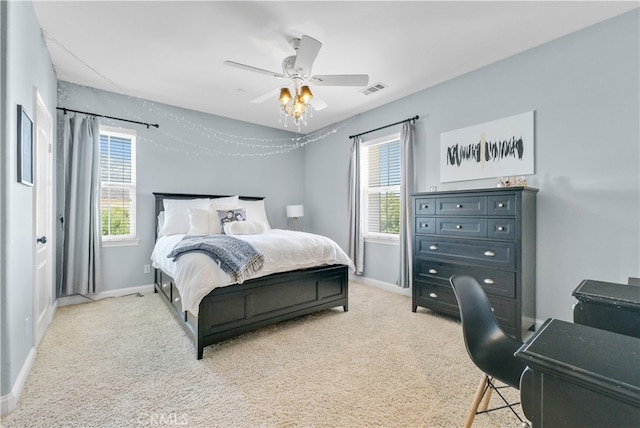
<point>253,69</point>
<point>340,80</point>
<point>307,53</point>
<point>318,103</point>
<point>271,94</point>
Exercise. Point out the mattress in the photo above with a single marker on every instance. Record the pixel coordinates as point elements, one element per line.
<point>196,274</point>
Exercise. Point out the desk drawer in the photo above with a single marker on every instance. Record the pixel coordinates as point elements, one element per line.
<point>488,253</point>
<point>463,205</point>
<point>462,226</point>
<point>495,282</point>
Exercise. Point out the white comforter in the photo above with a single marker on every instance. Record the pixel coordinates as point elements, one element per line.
<point>196,274</point>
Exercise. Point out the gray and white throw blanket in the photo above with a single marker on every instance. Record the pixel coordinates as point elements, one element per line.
<point>236,257</point>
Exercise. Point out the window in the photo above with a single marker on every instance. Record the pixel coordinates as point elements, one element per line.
<point>381,187</point>
<point>118,184</point>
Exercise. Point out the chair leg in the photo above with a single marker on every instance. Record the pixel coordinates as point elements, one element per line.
<point>482,387</point>
<point>484,405</point>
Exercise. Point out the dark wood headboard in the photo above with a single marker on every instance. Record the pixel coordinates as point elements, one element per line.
<point>160,197</point>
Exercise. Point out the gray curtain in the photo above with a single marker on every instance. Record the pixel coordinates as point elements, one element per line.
<point>356,236</point>
<point>82,237</point>
<point>407,184</point>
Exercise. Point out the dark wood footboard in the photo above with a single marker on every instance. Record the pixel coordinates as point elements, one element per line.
<point>235,309</point>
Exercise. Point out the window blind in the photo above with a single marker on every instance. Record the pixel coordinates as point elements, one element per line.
<point>382,199</point>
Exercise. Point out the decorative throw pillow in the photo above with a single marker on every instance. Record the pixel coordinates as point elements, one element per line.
<point>256,211</point>
<point>229,216</point>
<point>198,222</point>
<point>176,214</point>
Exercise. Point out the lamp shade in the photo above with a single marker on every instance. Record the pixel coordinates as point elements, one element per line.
<point>295,211</point>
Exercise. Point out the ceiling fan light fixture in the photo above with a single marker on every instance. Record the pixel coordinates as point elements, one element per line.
<point>305,94</point>
<point>285,96</point>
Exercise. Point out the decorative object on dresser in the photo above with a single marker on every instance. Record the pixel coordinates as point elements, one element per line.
<point>295,212</point>
<point>489,234</point>
<point>232,309</point>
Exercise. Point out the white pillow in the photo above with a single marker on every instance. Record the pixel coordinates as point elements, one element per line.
<point>176,214</point>
<point>160,224</point>
<point>198,222</point>
<point>245,228</point>
<point>227,200</point>
<point>256,211</point>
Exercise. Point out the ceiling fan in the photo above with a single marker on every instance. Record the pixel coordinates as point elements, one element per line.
<point>297,70</point>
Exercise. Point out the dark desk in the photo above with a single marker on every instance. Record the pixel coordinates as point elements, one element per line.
<point>608,306</point>
<point>579,376</point>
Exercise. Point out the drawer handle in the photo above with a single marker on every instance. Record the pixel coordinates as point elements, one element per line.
<point>433,271</point>
<point>458,226</point>
<point>500,228</point>
<point>489,253</point>
<point>489,281</point>
<point>424,206</point>
<point>459,206</point>
<point>433,247</point>
<point>500,205</point>
<point>177,299</point>
<point>433,295</point>
<point>424,225</point>
<point>492,310</point>
<point>165,285</point>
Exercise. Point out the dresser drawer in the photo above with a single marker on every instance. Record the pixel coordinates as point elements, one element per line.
<point>505,313</point>
<point>488,253</point>
<point>501,205</point>
<point>436,297</point>
<point>425,206</point>
<point>443,299</point>
<point>462,205</point>
<point>425,225</point>
<point>495,282</point>
<point>461,226</point>
<point>501,228</point>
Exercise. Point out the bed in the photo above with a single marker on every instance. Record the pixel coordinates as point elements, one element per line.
<point>229,309</point>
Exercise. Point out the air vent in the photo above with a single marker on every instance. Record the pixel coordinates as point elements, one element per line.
<point>373,88</point>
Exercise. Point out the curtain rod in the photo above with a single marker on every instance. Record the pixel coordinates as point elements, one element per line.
<point>411,119</point>
<point>155,125</point>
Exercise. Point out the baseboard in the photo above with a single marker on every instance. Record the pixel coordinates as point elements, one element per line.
<point>120,292</point>
<point>9,402</point>
<point>381,284</point>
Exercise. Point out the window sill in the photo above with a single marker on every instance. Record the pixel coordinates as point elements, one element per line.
<point>385,241</point>
<point>122,243</point>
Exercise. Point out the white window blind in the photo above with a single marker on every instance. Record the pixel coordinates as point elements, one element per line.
<point>118,184</point>
<point>381,187</point>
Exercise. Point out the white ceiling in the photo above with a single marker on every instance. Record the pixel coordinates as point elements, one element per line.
<point>172,51</point>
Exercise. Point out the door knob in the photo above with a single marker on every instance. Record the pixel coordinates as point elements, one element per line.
<point>42,239</point>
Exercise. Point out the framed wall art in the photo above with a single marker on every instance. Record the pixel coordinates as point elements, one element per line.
<point>25,148</point>
<point>503,147</point>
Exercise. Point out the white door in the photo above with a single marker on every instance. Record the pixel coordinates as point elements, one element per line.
<point>43,194</point>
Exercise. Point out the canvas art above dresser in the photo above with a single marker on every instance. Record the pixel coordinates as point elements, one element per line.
<point>487,233</point>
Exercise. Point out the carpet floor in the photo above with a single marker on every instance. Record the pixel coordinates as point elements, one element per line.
<point>125,362</point>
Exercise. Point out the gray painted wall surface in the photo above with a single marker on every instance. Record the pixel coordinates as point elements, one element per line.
<point>26,65</point>
<point>168,160</point>
<point>585,91</point>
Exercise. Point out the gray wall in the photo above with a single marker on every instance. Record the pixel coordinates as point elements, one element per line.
<point>26,65</point>
<point>169,160</point>
<point>585,91</point>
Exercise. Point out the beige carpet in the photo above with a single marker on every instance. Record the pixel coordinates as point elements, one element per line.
<point>125,362</point>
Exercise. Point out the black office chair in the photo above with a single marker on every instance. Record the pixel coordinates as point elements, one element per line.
<point>490,349</point>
